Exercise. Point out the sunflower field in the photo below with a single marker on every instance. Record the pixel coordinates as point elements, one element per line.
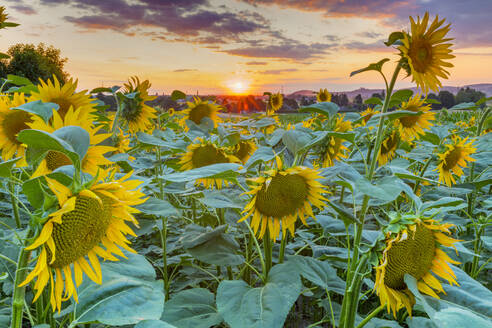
<point>148,218</point>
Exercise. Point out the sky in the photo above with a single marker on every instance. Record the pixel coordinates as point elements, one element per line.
<point>243,46</point>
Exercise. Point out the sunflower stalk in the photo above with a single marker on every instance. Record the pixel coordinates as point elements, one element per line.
<point>348,316</point>
<point>267,247</point>
<point>370,316</point>
<point>163,231</point>
<point>422,172</point>
<point>15,205</point>
<point>18,298</point>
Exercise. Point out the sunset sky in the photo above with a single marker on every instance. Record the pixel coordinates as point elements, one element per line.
<point>219,46</point>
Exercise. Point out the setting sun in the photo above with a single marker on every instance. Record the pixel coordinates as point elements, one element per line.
<point>238,87</point>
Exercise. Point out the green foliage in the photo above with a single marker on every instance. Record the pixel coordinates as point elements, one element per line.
<point>34,62</point>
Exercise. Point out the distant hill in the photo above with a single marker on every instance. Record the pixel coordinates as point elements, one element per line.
<point>367,93</point>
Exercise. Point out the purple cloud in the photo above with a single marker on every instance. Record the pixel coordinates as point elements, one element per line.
<point>292,50</point>
<point>24,9</point>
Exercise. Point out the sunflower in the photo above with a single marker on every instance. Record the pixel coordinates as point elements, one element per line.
<point>135,113</point>
<point>202,153</point>
<point>121,143</point>
<point>3,16</point>
<point>367,115</point>
<point>323,95</point>
<point>13,121</point>
<point>198,110</point>
<point>82,225</point>
<point>335,149</point>
<point>93,159</point>
<point>425,50</point>
<point>388,148</point>
<point>454,158</point>
<point>65,97</point>
<point>282,196</point>
<point>415,250</point>
<point>275,103</point>
<point>412,126</point>
<point>244,149</point>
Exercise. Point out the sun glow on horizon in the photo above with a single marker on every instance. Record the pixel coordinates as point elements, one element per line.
<point>238,87</point>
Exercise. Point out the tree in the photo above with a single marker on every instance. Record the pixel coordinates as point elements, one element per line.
<point>468,95</point>
<point>447,99</point>
<point>435,97</point>
<point>344,100</point>
<point>35,62</point>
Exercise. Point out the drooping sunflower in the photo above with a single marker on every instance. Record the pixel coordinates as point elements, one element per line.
<point>281,196</point>
<point>335,150</point>
<point>198,110</point>
<point>323,95</point>
<point>275,102</point>
<point>453,159</point>
<point>81,225</point>
<point>415,250</point>
<point>202,153</point>
<point>388,148</point>
<point>93,159</point>
<point>12,121</point>
<point>244,149</point>
<point>135,113</point>
<point>426,50</point>
<point>411,127</point>
<point>65,97</point>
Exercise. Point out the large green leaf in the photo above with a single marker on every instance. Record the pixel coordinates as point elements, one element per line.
<point>324,108</point>
<point>296,140</point>
<point>128,294</point>
<point>382,191</point>
<point>222,199</point>
<point>155,141</point>
<point>73,141</point>
<point>263,307</point>
<point>158,207</point>
<point>318,272</point>
<point>6,167</point>
<point>192,308</point>
<point>212,246</point>
<point>37,107</point>
<point>447,314</point>
<point>262,154</point>
<point>153,324</point>
<point>228,171</point>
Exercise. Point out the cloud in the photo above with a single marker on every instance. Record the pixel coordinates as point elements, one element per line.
<point>181,70</point>
<point>292,50</point>
<point>251,63</point>
<point>378,46</point>
<point>24,10</point>
<point>346,8</point>
<point>172,20</point>
<point>278,71</point>
<point>468,18</point>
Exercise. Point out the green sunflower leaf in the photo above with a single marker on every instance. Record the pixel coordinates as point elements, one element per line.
<point>6,167</point>
<point>325,108</point>
<point>260,307</point>
<point>176,95</point>
<point>37,107</point>
<point>371,67</point>
<point>394,38</point>
<point>192,308</point>
<point>129,293</point>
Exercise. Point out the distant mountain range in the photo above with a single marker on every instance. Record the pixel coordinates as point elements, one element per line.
<point>367,93</point>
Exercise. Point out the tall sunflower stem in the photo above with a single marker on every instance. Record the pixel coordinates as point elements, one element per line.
<point>352,278</point>
<point>370,316</point>
<point>18,297</point>
<point>258,248</point>
<point>164,226</point>
<point>282,248</point>
<point>267,247</point>
<point>15,205</point>
<point>426,166</point>
<point>116,120</point>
